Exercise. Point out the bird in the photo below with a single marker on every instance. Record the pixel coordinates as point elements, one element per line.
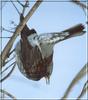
<point>34,53</point>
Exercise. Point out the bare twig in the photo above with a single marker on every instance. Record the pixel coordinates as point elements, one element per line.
<point>8,47</point>
<point>20,3</point>
<point>10,60</point>
<point>13,28</point>
<point>11,52</point>
<point>3,29</point>
<point>8,94</point>
<point>80,4</point>
<point>24,7</point>
<point>81,74</point>
<point>9,72</point>
<point>15,7</point>
<point>7,68</point>
<point>84,90</point>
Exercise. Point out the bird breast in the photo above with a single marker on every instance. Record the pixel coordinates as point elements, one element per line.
<point>30,61</point>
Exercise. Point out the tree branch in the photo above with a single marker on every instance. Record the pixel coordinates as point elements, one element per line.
<point>24,7</point>
<point>8,94</point>
<point>15,7</point>
<point>13,67</point>
<point>9,45</point>
<point>3,29</point>
<point>80,4</point>
<point>84,90</point>
<point>80,75</point>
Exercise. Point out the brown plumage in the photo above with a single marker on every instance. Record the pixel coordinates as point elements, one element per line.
<point>33,64</point>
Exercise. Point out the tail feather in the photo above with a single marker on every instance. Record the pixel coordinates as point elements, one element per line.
<point>75,31</point>
<point>53,38</point>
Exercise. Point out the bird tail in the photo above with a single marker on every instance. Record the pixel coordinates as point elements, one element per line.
<point>77,30</point>
<point>56,37</point>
